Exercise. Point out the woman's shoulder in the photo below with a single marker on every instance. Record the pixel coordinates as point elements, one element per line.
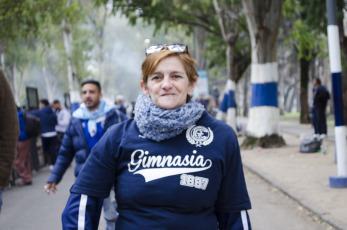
<point>124,126</point>
<point>218,125</point>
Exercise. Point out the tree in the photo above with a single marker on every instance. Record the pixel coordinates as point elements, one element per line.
<point>18,56</point>
<point>171,14</point>
<point>263,18</point>
<point>309,42</point>
<point>233,29</point>
<point>174,14</point>
<point>232,25</point>
<point>97,18</point>
<point>20,21</point>
<point>316,21</point>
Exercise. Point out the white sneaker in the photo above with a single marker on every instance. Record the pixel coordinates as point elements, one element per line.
<point>322,136</point>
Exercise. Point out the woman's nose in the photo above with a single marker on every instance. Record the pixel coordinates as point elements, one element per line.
<point>166,84</point>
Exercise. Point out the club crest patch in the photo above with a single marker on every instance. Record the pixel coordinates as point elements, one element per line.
<point>199,135</point>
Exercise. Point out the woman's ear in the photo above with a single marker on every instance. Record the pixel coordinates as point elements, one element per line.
<point>192,87</point>
<point>144,87</point>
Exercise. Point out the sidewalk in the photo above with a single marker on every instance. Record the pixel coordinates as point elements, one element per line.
<point>303,177</point>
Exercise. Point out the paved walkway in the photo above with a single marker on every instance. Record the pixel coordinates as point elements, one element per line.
<point>303,177</point>
<point>29,208</point>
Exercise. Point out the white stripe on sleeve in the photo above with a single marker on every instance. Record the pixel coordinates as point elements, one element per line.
<point>244,220</point>
<point>82,212</point>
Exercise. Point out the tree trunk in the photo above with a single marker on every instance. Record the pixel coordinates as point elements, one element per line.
<point>20,86</point>
<point>15,82</point>
<point>101,43</point>
<point>47,84</point>
<point>71,74</point>
<point>230,35</point>
<point>263,19</point>
<point>200,46</point>
<point>245,98</point>
<point>343,43</point>
<point>2,57</point>
<point>304,78</point>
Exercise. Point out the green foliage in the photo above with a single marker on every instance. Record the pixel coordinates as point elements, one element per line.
<point>309,42</point>
<point>20,18</point>
<point>31,36</point>
<point>19,52</point>
<point>306,35</point>
<point>180,14</point>
<point>81,52</point>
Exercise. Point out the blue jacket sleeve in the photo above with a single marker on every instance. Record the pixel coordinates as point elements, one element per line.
<point>36,113</point>
<point>82,212</point>
<point>65,157</point>
<point>234,221</point>
<point>123,116</point>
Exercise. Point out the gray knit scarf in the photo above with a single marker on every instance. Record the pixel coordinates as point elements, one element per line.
<point>160,124</point>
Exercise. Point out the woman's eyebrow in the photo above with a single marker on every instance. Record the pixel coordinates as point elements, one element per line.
<point>172,72</point>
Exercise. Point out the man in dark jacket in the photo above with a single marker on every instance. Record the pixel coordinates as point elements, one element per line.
<point>48,121</point>
<point>87,125</point>
<point>320,100</point>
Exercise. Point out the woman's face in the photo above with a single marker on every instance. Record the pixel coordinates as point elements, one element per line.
<point>168,86</point>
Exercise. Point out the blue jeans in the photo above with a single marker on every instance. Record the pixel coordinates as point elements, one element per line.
<point>49,145</point>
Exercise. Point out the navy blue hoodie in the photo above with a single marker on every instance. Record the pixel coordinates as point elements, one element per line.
<point>48,119</point>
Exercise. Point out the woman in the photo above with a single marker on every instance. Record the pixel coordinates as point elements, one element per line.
<point>173,166</point>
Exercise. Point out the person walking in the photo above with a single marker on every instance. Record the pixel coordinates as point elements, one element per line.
<point>320,100</point>
<point>48,121</point>
<point>63,119</point>
<point>172,167</point>
<point>87,125</point>
<point>22,158</point>
<point>9,132</point>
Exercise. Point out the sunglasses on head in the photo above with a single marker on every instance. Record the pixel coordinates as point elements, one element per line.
<point>173,47</point>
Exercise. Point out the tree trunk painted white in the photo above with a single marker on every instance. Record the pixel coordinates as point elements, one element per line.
<point>74,92</point>
<point>263,19</point>
<point>229,31</point>
<point>263,118</point>
<point>227,111</point>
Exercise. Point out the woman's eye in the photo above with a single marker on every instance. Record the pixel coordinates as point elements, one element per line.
<point>155,78</point>
<point>176,76</point>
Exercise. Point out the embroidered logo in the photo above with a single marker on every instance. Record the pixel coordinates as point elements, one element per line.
<point>199,135</point>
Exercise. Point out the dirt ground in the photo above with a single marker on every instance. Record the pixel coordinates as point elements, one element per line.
<point>302,176</point>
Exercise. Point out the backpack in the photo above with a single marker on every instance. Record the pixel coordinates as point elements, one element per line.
<point>32,125</point>
<point>310,145</point>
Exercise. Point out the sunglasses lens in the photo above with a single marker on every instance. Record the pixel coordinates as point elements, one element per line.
<point>153,49</point>
<point>177,47</point>
<point>174,47</point>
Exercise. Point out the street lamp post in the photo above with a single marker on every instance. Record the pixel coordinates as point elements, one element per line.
<point>339,181</point>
